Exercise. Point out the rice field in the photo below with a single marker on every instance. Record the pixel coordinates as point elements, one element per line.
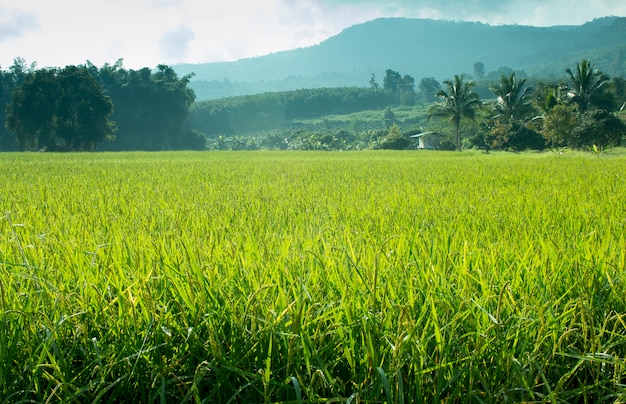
<point>364,277</point>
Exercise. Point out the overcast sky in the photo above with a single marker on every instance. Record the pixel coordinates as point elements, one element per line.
<point>148,32</point>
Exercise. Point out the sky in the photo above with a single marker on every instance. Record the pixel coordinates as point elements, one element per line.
<point>145,33</point>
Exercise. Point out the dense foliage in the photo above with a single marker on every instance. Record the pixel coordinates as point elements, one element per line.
<point>155,110</point>
<point>515,116</point>
<point>85,107</point>
<point>256,113</point>
<point>151,108</point>
<point>9,81</point>
<point>312,277</point>
<point>458,101</point>
<point>60,110</point>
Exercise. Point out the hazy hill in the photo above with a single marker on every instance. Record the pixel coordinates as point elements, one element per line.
<point>421,48</point>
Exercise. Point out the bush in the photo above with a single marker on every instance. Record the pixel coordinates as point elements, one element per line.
<point>395,140</point>
<point>599,128</point>
<point>508,136</point>
<point>193,140</point>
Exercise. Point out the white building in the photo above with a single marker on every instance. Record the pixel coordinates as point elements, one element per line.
<point>428,140</point>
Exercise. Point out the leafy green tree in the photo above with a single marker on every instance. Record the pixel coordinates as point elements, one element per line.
<point>175,99</point>
<point>83,110</point>
<point>7,140</point>
<point>402,87</point>
<point>31,111</point>
<point>428,89</point>
<point>590,88</point>
<point>547,95</point>
<point>20,69</point>
<point>389,118</point>
<point>559,123</point>
<point>392,82</point>
<point>151,108</point>
<point>394,140</point>
<point>502,71</point>
<point>508,129</point>
<point>510,136</point>
<point>9,80</point>
<point>512,98</point>
<point>618,85</point>
<point>479,70</point>
<point>458,101</point>
<point>407,90</point>
<point>373,84</point>
<point>599,128</point>
<point>60,110</point>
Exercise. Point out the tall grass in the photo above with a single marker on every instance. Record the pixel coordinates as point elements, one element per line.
<point>312,277</point>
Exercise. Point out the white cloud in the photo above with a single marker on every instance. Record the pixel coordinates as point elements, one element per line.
<point>174,45</point>
<point>15,23</point>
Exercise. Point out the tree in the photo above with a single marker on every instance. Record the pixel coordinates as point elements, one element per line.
<point>508,129</point>
<point>407,90</point>
<point>83,110</point>
<point>402,87</point>
<point>373,84</point>
<point>559,123</point>
<point>31,111</point>
<point>7,141</point>
<point>590,87</point>
<point>392,82</point>
<point>19,70</point>
<point>479,70</point>
<point>60,110</point>
<point>510,136</point>
<point>175,100</point>
<point>502,71</point>
<point>395,140</point>
<point>549,94</point>
<point>458,102</point>
<point>10,80</point>
<point>389,118</point>
<point>428,88</point>
<point>599,128</point>
<point>618,86</point>
<point>151,108</point>
<point>512,98</point>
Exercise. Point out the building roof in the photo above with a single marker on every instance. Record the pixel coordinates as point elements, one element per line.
<point>426,133</point>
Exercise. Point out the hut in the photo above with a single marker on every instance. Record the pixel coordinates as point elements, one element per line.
<point>428,140</point>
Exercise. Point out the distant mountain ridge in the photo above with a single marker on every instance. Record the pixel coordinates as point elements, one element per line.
<point>420,48</point>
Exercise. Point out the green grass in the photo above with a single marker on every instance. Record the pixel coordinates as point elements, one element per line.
<point>312,277</point>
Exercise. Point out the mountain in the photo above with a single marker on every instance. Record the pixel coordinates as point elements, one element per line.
<point>420,48</point>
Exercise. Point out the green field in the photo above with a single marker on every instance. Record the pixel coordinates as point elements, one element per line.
<point>362,277</point>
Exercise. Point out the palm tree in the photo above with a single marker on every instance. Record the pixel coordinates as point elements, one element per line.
<point>459,101</point>
<point>590,87</point>
<point>512,98</point>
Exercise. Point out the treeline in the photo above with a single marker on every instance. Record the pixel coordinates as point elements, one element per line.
<point>268,111</point>
<point>89,108</point>
<point>578,111</point>
<point>273,110</point>
<point>112,108</point>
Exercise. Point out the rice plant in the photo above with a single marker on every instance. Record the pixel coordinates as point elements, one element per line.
<point>312,277</point>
